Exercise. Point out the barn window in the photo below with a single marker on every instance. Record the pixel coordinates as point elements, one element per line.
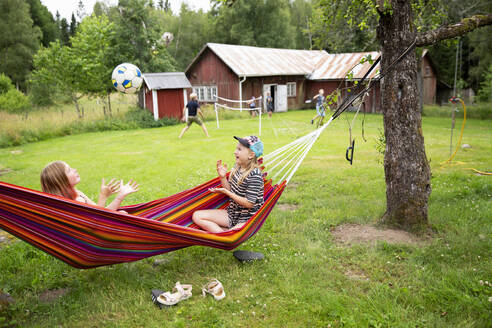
<point>291,89</point>
<point>206,93</point>
<point>427,70</point>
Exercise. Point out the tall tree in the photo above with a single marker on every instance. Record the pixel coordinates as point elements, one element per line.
<point>73,25</point>
<point>42,18</point>
<point>407,170</point>
<point>136,37</point>
<point>59,67</point>
<point>64,32</point>
<point>19,40</point>
<point>256,23</point>
<point>191,30</point>
<point>92,45</point>
<point>301,12</point>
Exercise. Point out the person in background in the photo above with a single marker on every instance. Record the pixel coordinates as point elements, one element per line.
<point>193,108</point>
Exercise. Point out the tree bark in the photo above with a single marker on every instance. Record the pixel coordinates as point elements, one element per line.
<point>406,168</point>
<point>448,32</point>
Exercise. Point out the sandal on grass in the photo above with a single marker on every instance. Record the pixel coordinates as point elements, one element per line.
<point>179,293</point>
<point>214,288</point>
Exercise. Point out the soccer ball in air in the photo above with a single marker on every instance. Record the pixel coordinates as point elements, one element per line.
<point>127,78</point>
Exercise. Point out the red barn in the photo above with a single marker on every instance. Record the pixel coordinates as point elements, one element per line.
<point>291,76</point>
<point>165,94</point>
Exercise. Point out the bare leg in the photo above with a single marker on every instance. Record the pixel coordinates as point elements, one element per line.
<point>212,220</point>
<point>204,128</point>
<point>183,131</point>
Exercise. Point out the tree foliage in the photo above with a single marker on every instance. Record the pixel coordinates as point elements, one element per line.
<point>136,37</point>
<point>42,18</point>
<point>255,23</point>
<point>18,45</point>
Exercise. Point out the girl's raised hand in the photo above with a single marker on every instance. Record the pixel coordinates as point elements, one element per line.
<point>110,188</point>
<point>221,169</point>
<point>130,187</point>
<point>218,190</point>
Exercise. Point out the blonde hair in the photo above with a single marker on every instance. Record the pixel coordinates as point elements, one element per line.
<point>193,96</point>
<point>252,164</point>
<point>54,180</point>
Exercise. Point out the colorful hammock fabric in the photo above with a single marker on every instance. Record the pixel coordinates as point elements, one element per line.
<point>87,236</point>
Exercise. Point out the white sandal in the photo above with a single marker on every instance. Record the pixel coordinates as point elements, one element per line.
<point>180,292</point>
<point>214,288</point>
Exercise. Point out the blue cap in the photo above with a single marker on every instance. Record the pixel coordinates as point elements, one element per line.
<point>252,142</point>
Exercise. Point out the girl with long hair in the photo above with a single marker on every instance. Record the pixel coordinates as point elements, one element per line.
<point>58,178</point>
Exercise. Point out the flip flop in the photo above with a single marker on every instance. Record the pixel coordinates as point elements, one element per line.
<point>214,288</point>
<point>155,293</point>
<point>246,256</point>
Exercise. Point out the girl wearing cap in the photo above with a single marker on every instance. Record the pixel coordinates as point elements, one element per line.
<point>193,108</point>
<point>244,188</point>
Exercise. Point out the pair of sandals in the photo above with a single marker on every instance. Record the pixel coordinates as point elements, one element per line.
<point>183,292</point>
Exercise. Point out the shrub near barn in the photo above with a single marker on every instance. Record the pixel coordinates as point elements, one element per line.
<point>11,99</point>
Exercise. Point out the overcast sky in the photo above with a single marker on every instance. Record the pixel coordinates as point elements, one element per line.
<point>66,7</point>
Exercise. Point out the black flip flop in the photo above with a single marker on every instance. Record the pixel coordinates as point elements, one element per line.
<point>155,294</point>
<point>246,256</point>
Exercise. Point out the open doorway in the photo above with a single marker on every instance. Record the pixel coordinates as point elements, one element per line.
<point>272,88</point>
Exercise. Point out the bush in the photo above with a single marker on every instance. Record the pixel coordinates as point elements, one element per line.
<point>5,84</point>
<point>481,111</point>
<point>485,92</point>
<point>14,101</point>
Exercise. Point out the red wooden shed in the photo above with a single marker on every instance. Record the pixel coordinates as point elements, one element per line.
<point>291,76</point>
<point>165,94</point>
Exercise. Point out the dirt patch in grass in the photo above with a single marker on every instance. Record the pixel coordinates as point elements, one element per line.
<point>5,238</point>
<point>365,234</point>
<point>5,170</point>
<point>287,207</point>
<point>49,296</point>
<point>355,275</point>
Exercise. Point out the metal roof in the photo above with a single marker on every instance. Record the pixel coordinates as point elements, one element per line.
<point>255,61</point>
<point>314,64</point>
<point>173,80</point>
<point>336,66</point>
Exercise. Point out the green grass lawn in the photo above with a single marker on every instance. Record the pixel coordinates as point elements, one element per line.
<point>307,278</point>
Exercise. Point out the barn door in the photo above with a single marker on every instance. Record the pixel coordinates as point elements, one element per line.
<point>281,98</point>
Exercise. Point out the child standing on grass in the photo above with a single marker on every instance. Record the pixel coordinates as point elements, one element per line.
<point>244,188</point>
<point>193,108</point>
<point>58,178</point>
<point>320,108</point>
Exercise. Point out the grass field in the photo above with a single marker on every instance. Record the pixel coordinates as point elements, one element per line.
<point>308,279</point>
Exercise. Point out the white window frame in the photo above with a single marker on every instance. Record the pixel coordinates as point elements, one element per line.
<point>206,93</point>
<point>291,89</point>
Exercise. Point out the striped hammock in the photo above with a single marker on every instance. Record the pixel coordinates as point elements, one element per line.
<point>86,236</point>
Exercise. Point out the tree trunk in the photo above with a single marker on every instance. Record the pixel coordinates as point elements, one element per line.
<point>406,168</point>
<point>76,102</point>
<point>109,104</point>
